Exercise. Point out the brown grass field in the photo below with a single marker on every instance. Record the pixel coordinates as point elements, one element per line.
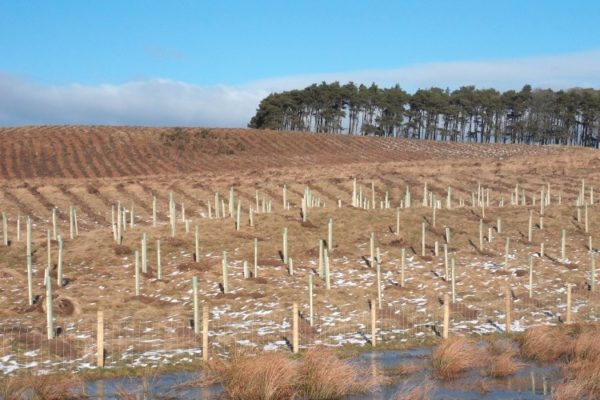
<point>93,168</point>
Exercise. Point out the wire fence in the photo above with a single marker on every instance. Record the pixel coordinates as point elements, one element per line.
<point>130,342</point>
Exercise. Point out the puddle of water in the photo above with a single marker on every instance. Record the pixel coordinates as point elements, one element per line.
<point>532,382</point>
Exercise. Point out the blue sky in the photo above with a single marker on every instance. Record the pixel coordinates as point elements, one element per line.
<point>209,63</point>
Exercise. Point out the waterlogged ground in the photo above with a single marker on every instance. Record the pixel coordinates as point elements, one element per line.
<point>533,381</point>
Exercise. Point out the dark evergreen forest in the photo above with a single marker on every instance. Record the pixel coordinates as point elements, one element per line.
<point>468,114</point>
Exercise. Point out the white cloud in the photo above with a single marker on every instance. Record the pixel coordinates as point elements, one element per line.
<point>168,102</point>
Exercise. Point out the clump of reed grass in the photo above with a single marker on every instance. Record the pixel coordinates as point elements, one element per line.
<point>501,360</point>
<point>570,391</point>
<point>324,376</point>
<point>42,387</point>
<point>546,343</point>
<point>269,376</point>
<point>453,356</point>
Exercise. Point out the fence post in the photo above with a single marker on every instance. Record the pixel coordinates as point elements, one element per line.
<point>100,340</point>
<point>373,323</point>
<point>285,245</point>
<point>205,333</point>
<point>295,328</point>
<point>29,263</point>
<point>49,316</point>
<point>568,319</point>
<point>225,277</point>
<point>446,316</point>
<point>196,310</point>
<point>158,260</point>
<point>508,300</point>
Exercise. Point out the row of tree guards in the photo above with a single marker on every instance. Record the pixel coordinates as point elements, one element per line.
<point>233,209</point>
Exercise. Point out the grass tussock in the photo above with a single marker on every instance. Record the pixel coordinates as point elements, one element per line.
<point>546,343</point>
<point>453,356</point>
<point>42,387</point>
<point>269,376</point>
<point>319,375</point>
<point>502,360</point>
<point>570,391</point>
<point>324,376</point>
<point>587,346</point>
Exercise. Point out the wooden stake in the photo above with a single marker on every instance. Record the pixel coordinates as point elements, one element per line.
<point>29,263</point>
<point>285,245</point>
<point>197,243</point>
<point>54,223</point>
<point>59,265</point>
<point>196,309</point>
<point>295,336</point>
<point>530,277</point>
<point>225,275</point>
<point>49,316</point>
<point>508,306</point>
<point>205,333</point>
<point>158,261</point>
<point>373,324</point>
<point>100,340</point>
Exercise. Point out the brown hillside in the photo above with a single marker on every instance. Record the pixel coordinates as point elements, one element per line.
<point>102,151</point>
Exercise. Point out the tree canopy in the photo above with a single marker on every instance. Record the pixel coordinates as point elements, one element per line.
<point>533,116</point>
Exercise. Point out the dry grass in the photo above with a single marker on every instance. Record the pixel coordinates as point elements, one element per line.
<point>501,361</point>
<point>324,376</point>
<point>42,387</point>
<point>502,365</point>
<point>319,375</point>
<point>546,343</point>
<point>268,376</point>
<point>587,345</point>
<point>453,356</point>
<point>570,391</point>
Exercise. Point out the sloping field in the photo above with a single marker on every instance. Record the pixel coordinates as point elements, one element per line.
<point>92,169</point>
<point>101,151</point>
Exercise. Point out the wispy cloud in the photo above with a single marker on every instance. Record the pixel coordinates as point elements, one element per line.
<point>163,53</point>
<point>168,102</point>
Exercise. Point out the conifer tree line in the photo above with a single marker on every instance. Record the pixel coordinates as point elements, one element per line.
<point>469,114</point>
